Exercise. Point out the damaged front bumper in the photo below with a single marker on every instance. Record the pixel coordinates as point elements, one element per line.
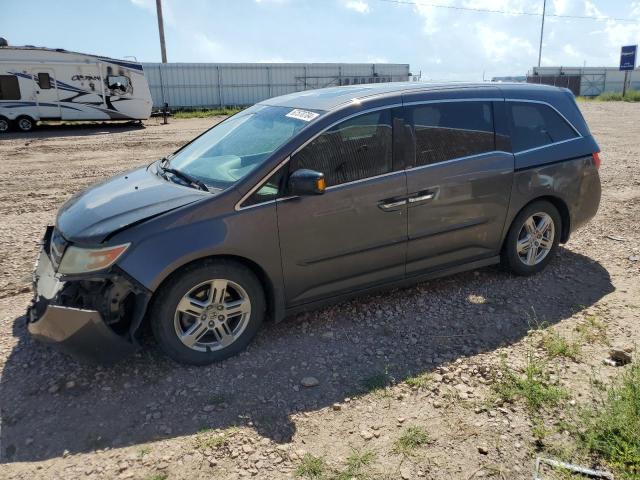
<point>91,317</point>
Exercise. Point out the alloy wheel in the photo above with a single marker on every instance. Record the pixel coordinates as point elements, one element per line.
<point>212,315</point>
<point>4,125</point>
<point>25,124</point>
<point>535,239</point>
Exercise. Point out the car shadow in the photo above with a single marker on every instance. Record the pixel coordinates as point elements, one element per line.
<point>51,404</point>
<point>82,129</point>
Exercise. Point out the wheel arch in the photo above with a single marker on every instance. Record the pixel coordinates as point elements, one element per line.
<point>559,204</point>
<point>273,304</point>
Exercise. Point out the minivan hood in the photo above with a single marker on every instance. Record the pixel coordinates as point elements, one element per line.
<point>90,216</point>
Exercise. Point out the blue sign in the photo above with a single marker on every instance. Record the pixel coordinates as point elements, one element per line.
<point>628,57</point>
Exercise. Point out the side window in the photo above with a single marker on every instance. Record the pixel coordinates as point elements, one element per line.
<point>44,81</point>
<point>355,149</point>
<point>449,130</point>
<point>536,125</point>
<point>9,87</point>
<point>268,191</point>
<point>119,84</point>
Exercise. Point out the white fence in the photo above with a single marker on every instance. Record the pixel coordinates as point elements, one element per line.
<point>595,80</point>
<point>206,85</point>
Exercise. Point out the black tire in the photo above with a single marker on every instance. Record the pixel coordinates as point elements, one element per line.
<point>163,310</point>
<point>510,258</point>
<point>25,124</point>
<point>5,124</point>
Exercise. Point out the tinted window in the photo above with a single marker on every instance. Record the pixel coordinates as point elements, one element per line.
<point>451,130</point>
<point>536,125</point>
<point>44,81</point>
<point>9,89</point>
<point>352,150</point>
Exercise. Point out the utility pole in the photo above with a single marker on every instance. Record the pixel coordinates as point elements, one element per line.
<point>163,50</point>
<point>544,7</point>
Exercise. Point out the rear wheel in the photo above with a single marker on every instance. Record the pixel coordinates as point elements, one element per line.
<point>208,312</point>
<point>25,124</point>
<point>4,125</point>
<point>532,239</point>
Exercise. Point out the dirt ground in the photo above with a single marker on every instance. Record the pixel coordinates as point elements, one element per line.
<point>250,416</point>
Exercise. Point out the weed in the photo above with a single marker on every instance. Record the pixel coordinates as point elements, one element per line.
<point>311,467</point>
<point>214,112</point>
<point>356,463</point>
<point>558,346</point>
<point>158,476</point>
<point>592,330</point>
<point>376,382</point>
<point>412,438</point>
<point>533,387</point>
<point>144,451</point>
<point>613,424</point>
<point>419,381</point>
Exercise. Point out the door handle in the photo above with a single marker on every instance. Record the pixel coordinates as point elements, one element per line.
<point>422,198</point>
<point>386,206</point>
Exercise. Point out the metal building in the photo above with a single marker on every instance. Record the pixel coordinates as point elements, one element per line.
<point>586,81</point>
<point>206,85</point>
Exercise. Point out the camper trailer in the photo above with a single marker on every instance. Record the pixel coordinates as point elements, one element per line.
<point>46,84</point>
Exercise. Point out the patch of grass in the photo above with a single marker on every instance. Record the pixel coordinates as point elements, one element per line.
<point>376,382</point>
<point>631,96</point>
<point>311,467</point>
<point>356,465</point>
<point>558,346</point>
<point>533,386</point>
<point>592,330</point>
<point>158,476</point>
<point>205,441</point>
<point>206,113</point>
<point>412,438</point>
<point>144,451</point>
<point>612,429</point>
<point>419,381</point>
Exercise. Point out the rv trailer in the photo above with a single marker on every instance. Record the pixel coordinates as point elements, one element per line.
<point>54,84</point>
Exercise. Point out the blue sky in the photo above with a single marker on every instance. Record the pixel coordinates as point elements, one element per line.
<point>445,44</point>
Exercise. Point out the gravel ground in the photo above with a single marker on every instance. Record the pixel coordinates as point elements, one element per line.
<point>251,416</point>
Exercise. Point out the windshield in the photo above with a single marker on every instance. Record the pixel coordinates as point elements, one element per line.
<point>232,149</point>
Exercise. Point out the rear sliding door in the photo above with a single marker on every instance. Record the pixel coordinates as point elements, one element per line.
<point>460,183</point>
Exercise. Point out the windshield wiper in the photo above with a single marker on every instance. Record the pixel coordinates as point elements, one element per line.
<point>183,176</point>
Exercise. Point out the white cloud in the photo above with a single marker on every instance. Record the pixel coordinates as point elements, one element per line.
<point>359,6</point>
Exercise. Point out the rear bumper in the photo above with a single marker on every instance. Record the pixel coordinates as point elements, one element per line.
<point>54,316</point>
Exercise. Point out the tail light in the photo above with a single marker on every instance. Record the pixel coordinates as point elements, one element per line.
<point>596,159</point>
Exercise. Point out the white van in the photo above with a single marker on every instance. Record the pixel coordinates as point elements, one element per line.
<point>46,84</point>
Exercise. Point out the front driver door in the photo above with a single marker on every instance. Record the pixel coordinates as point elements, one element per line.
<point>354,235</point>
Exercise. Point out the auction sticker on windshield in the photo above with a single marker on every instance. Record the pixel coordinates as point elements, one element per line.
<point>304,115</point>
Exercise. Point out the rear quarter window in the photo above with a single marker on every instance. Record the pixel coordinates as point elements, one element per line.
<point>536,125</point>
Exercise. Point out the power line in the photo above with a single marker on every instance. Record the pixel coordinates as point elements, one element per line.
<point>507,12</point>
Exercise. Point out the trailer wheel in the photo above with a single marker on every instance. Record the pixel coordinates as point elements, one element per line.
<point>4,125</point>
<point>25,124</point>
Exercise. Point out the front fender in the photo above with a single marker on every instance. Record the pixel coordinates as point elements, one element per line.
<point>163,247</point>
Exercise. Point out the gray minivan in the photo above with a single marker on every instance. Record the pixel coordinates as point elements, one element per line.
<point>308,198</point>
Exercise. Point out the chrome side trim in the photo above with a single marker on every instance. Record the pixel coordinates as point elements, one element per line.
<point>548,145</point>
<point>541,102</point>
<point>458,159</point>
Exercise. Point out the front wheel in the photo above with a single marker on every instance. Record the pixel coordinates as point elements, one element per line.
<point>532,239</point>
<point>208,312</point>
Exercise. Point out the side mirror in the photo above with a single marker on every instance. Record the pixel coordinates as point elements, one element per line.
<point>306,182</point>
